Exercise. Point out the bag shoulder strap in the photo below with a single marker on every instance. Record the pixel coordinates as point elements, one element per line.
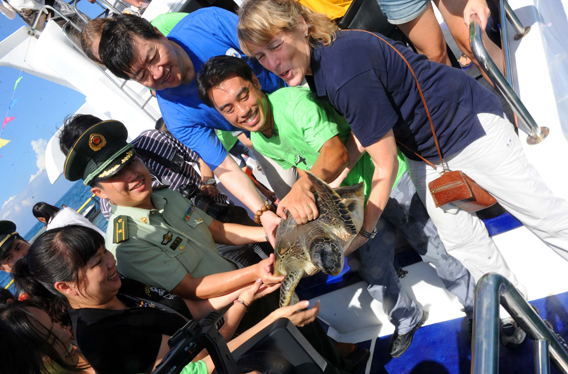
<point>160,160</point>
<point>421,96</point>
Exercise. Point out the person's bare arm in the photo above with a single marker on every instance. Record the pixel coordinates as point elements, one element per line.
<point>235,234</point>
<point>300,201</point>
<point>355,150</point>
<point>224,283</point>
<point>235,313</point>
<point>384,155</point>
<point>207,173</point>
<point>246,141</point>
<point>241,186</point>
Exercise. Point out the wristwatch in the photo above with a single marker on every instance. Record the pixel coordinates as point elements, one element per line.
<point>367,234</point>
<point>209,182</point>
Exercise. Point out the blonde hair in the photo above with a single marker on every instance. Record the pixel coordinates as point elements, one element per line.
<point>260,20</point>
<point>92,32</point>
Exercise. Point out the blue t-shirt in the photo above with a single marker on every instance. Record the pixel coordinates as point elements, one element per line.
<point>203,34</point>
<point>376,92</point>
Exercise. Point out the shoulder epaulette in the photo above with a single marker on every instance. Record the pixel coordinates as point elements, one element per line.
<point>120,230</point>
<point>160,187</point>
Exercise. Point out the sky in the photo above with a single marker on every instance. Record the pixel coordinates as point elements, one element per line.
<point>39,112</point>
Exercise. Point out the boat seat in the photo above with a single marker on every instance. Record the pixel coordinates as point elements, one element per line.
<point>367,15</point>
<point>193,5</point>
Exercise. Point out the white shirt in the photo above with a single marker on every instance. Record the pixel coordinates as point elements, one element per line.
<point>68,216</point>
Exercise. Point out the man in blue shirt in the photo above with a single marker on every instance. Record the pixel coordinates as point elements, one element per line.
<point>131,48</point>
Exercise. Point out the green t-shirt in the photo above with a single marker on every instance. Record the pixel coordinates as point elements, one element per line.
<point>303,124</point>
<point>167,21</point>
<point>227,139</point>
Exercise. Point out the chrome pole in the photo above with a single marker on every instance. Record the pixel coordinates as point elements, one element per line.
<point>85,19</point>
<point>520,30</point>
<point>541,357</point>
<point>46,7</point>
<point>536,134</point>
<point>485,353</point>
<point>505,44</point>
<point>488,287</point>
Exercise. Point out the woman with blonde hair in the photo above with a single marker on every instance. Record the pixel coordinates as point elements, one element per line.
<point>389,95</point>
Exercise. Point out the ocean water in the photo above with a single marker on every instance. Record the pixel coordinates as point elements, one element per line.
<point>74,198</point>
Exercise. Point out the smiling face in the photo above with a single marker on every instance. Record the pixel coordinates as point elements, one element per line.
<point>130,187</point>
<point>287,55</point>
<point>55,335</point>
<point>242,103</point>
<point>101,280</point>
<point>17,250</point>
<point>160,63</point>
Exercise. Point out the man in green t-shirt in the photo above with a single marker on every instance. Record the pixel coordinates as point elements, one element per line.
<point>294,129</point>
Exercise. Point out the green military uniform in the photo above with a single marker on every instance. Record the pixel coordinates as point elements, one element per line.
<point>164,244</point>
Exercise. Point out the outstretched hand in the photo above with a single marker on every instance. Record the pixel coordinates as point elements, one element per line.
<point>478,8</point>
<point>300,202</point>
<point>256,291</point>
<point>297,313</point>
<point>270,222</point>
<point>264,271</point>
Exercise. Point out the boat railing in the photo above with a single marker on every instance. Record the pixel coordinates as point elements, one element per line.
<point>45,8</point>
<point>119,83</point>
<point>504,85</point>
<point>493,290</point>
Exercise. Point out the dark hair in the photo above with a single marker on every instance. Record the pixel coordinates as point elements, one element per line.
<point>24,344</point>
<point>217,70</point>
<point>57,255</point>
<point>73,127</point>
<point>161,124</point>
<point>6,295</point>
<point>45,211</point>
<point>116,45</point>
<point>91,32</point>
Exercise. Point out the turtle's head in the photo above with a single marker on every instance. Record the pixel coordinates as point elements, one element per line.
<point>326,255</point>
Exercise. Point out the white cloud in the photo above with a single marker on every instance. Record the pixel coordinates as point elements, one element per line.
<point>39,147</point>
<point>28,202</point>
<point>8,201</point>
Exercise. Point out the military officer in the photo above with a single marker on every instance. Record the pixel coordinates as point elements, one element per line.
<point>12,248</point>
<point>157,236</point>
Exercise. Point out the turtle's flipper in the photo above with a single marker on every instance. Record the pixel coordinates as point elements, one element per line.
<point>332,201</point>
<point>288,286</point>
<point>295,298</point>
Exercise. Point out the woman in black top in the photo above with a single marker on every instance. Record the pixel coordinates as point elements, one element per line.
<point>124,327</point>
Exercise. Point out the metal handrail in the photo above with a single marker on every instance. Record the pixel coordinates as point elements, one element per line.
<point>502,85</point>
<point>491,289</point>
<point>45,7</point>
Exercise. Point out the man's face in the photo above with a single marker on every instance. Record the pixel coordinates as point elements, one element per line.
<point>17,250</point>
<point>242,103</point>
<point>160,64</point>
<point>131,187</point>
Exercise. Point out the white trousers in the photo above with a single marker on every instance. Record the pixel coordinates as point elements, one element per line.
<point>497,163</point>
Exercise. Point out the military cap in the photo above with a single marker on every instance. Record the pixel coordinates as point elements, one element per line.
<point>7,235</point>
<point>99,153</point>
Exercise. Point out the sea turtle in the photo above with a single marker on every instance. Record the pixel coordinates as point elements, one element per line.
<point>303,250</point>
